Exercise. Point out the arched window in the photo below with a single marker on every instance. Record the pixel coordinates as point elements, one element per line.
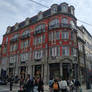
<point>64,7</point>
<point>64,21</point>
<point>54,24</point>
<point>54,8</point>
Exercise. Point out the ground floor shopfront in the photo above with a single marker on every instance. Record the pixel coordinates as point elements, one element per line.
<point>53,69</point>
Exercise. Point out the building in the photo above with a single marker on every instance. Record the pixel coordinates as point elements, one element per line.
<point>44,45</point>
<point>85,51</point>
<point>0,59</point>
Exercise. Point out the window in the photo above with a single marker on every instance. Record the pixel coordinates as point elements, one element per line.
<point>40,15</point>
<point>13,47</point>
<point>64,8</point>
<point>64,21</point>
<point>38,54</point>
<point>13,59</point>
<point>43,38</point>
<point>40,28</point>
<point>65,35</point>
<point>57,35</point>
<point>54,9</point>
<point>54,51</point>
<point>73,24</point>
<point>72,36</point>
<point>24,57</point>
<point>54,24</point>
<point>24,44</point>
<point>4,49</point>
<point>73,51</point>
<point>65,51</point>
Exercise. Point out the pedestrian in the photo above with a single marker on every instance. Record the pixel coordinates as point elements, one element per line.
<point>77,84</point>
<point>40,85</point>
<point>27,84</point>
<point>56,86</point>
<point>31,84</point>
<point>11,83</point>
<point>63,85</point>
<point>21,84</point>
<point>35,84</point>
<point>51,81</point>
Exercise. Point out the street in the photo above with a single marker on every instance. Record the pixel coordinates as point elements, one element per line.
<point>5,88</point>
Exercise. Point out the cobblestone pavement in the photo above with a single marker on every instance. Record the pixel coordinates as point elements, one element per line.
<point>5,88</point>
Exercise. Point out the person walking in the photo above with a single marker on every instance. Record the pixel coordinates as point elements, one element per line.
<point>56,86</point>
<point>51,81</point>
<point>40,85</point>
<point>31,84</point>
<point>63,85</point>
<point>11,83</point>
<point>27,87</point>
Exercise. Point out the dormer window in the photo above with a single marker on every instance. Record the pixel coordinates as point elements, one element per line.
<point>16,26</point>
<point>40,15</point>
<point>54,24</point>
<point>64,21</point>
<point>27,21</point>
<point>72,10</point>
<point>54,9</point>
<point>8,29</point>
<point>64,7</point>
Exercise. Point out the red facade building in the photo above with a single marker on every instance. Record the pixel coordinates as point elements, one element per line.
<point>44,45</point>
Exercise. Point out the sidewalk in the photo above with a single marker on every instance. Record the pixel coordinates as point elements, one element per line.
<point>86,90</point>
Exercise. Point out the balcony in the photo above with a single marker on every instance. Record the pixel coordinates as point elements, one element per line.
<point>55,26</point>
<point>14,40</point>
<point>66,25</point>
<point>25,36</point>
<point>40,31</point>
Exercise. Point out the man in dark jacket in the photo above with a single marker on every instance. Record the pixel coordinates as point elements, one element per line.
<point>27,86</point>
<point>40,85</point>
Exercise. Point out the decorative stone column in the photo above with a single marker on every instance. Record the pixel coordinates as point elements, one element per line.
<point>46,74</point>
<point>33,70</point>
<point>61,70</point>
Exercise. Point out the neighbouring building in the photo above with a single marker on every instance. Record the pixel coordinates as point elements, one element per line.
<point>0,59</point>
<point>44,45</point>
<point>85,52</point>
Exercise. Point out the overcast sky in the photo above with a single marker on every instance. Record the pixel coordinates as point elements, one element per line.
<point>12,11</point>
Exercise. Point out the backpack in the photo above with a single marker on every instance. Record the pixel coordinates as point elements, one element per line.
<point>55,86</point>
<point>50,83</point>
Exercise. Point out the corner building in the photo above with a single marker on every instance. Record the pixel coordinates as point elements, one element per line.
<point>44,45</point>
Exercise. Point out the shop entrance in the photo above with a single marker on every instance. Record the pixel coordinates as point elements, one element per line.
<point>54,70</point>
<point>66,70</point>
<point>38,70</point>
<point>23,72</point>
